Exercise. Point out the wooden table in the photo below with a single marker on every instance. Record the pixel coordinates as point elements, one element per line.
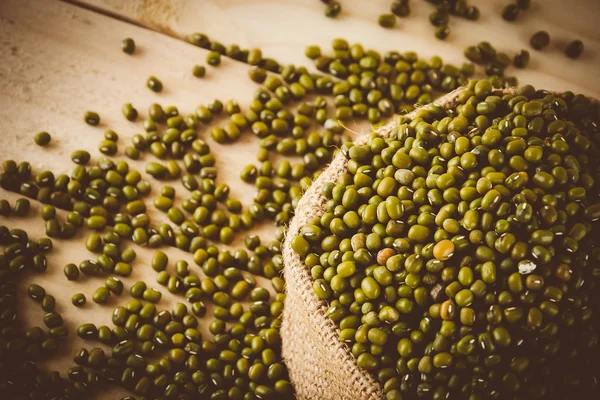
<point>59,60</point>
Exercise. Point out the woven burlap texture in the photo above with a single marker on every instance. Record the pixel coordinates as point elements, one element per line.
<point>320,366</point>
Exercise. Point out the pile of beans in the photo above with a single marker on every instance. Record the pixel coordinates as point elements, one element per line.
<point>459,257</point>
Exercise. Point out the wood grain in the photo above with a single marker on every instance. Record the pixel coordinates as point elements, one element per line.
<point>283,28</point>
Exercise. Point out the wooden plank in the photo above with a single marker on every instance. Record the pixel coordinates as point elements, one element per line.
<point>282,28</point>
<point>58,61</point>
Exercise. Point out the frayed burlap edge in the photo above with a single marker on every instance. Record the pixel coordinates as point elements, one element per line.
<point>320,366</point>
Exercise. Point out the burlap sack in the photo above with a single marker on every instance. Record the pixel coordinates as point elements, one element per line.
<point>320,366</point>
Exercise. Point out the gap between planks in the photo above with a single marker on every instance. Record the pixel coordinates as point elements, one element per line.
<point>107,13</point>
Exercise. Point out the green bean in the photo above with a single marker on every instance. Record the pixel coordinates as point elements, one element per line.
<point>199,71</point>
<point>574,49</point>
<point>42,139</point>
<point>129,112</point>
<point>521,59</point>
<point>333,9</point>
<point>539,40</point>
<point>128,46</point>
<point>80,157</point>
<point>400,8</point>
<point>213,58</point>
<point>442,32</point>
<point>101,295</point>
<point>510,12</point>
<point>387,20</point>
<point>78,300</point>
<point>71,272</point>
<point>154,84</point>
<point>91,118</point>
